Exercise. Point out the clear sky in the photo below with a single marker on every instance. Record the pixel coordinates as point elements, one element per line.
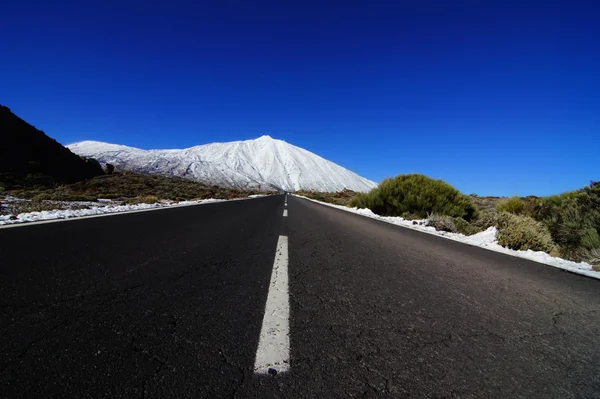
<point>494,97</point>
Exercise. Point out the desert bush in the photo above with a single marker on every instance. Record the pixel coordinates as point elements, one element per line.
<point>442,223</point>
<point>338,198</point>
<point>78,197</point>
<point>411,216</point>
<point>453,225</point>
<point>41,197</point>
<point>530,205</point>
<point>144,199</point>
<point>359,201</point>
<point>594,258</point>
<point>573,219</point>
<point>550,208</point>
<point>28,206</point>
<point>523,233</point>
<point>485,204</point>
<point>486,220</point>
<point>513,205</point>
<point>416,194</point>
<point>466,228</point>
<point>128,186</point>
<point>590,239</point>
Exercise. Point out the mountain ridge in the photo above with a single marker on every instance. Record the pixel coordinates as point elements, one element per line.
<point>243,164</point>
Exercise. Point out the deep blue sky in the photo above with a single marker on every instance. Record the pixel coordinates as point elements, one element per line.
<point>496,98</point>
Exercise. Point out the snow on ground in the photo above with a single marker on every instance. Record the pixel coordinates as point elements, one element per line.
<point>95,209</point>
<point>485,239</point>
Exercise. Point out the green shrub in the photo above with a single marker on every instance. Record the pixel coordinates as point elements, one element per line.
<point>466,228</point>
<point>411,216</point>
<point>442,223</point>
<point>574,222</point>
<point>367,200</point>
<point>551,209</point>
<point>590,239</point>
<point>486,220</point>
<point>513,205</point>
<point>418,195</point>
<point>530,205</point>
<point>523,233</point>
<point>452,225</point>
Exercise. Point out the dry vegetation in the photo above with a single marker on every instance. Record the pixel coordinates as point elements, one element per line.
<point>128,188</point>
<point>340,198</point>
<point>565,225</point>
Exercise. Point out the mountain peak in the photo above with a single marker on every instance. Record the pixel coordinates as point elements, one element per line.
<point>244,164</point>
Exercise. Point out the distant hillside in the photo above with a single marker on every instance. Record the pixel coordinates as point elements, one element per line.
<point>29,157</point>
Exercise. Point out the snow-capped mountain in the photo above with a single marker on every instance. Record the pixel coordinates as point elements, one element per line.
<point>273,164</point>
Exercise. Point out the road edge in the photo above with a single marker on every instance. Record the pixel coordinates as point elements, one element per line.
<point>589,274</point>
<point>158,208</point>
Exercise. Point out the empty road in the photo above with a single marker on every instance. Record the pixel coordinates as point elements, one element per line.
<point>199,301</point>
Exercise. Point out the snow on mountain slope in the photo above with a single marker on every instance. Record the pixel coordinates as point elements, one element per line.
<point>274,164</point>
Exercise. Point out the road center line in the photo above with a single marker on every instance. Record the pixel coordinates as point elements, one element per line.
<point>285,213</point>
<point>273,353</point>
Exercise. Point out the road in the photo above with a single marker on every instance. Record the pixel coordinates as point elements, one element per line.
<point>171,304</point>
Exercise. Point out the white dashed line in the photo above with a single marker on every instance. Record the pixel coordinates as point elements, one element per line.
<point>285,213</point>
<point>273,353</point>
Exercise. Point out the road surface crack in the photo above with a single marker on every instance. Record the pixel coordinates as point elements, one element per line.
<point>41,338</point>
<point>162,362</point>
<point>555,319</point>
<point>444,341</point>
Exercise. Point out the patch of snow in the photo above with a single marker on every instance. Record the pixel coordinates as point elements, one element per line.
<point>94,210</point>
<point>485,239</point>
<point>272,164</point>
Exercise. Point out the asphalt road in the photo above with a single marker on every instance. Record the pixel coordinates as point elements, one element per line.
<point>170,303</point>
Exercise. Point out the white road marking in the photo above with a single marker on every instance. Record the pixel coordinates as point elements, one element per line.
<point>285,213</point>
<point>273,353</point>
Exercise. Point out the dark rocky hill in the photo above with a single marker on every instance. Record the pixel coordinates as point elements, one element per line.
<point>29,157</point>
